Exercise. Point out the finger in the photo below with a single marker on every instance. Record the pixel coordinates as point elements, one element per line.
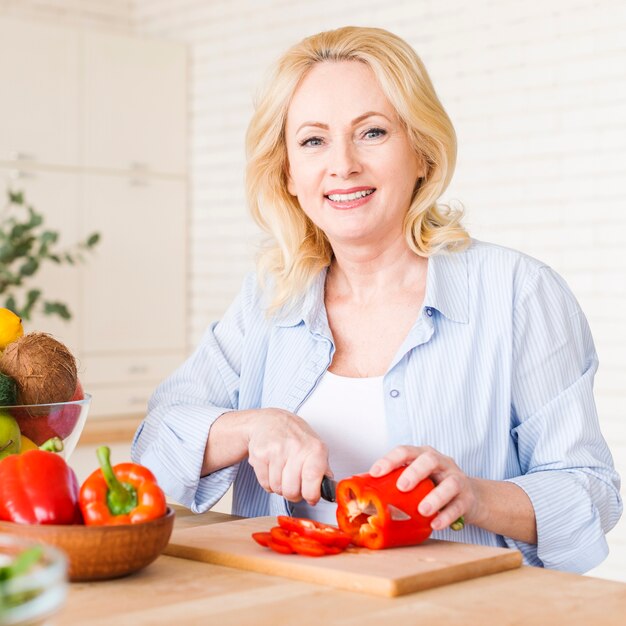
<point>275,476</point>
<point>448,515</point>
<point>313,470</point>
<point>400,455</point>
<point>427,463</point>
<point>440,496</point>
<point>261,472</point>
<point>292,480</point>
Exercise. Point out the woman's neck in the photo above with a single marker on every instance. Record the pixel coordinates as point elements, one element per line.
<point>362,275</point>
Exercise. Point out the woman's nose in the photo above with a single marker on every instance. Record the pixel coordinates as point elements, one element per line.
<point>344,160</point>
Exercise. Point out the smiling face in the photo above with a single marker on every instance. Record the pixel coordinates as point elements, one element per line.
<point>351,165</point>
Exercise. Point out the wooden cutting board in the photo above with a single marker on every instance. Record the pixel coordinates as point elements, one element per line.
<point>392,572</point>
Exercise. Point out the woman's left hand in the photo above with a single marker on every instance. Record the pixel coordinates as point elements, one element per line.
<point>455,494</point>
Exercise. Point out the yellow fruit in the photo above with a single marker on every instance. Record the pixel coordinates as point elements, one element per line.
<point>28,444</point>
<point>10,328</point>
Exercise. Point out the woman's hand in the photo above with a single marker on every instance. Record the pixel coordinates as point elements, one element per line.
<point>454,495</point>
<point>287,455</point>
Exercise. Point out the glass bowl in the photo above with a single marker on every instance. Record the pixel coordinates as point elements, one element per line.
<point>34,596</point>
<point>40,422</point>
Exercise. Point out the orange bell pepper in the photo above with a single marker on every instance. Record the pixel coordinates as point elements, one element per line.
<point>125,494</point>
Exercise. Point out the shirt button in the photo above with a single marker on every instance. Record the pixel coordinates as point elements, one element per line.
<point>394,393</point>
<point>429,312</point>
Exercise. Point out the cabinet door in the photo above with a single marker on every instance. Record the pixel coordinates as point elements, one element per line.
<point>135,103</point>
<point>39,112</point>
<point>134,291</point>
<point>55,195</point>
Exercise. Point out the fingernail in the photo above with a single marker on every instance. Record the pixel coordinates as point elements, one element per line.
<point>375,470</point>
<point>403,483</point>
<point>425,508</point>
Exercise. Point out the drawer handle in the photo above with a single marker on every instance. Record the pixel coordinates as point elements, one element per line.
<point>137,369</point>
<point>21,175</point>
<point>138,400</point>
<point>23,156</point>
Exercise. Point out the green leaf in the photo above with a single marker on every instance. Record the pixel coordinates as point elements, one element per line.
<point>69,258</point>
<point>48,237</point>
<point>16,197</point>
<point>10,304</point>
<point>18,231</point>
<point>30,267</point>
<point>93,239</point>
<point>35,218</point>
<point>57,308</point>
<point>31,299</point>
<point>55,257</point>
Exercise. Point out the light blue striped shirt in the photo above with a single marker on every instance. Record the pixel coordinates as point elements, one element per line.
<point>497,373</point>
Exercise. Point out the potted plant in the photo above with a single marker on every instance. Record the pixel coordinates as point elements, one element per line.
<point>26,244</point>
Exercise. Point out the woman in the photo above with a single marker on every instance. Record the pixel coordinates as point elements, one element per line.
<point>380,335</point>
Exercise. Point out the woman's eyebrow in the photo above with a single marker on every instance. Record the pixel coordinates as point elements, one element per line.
<point>355,121</point>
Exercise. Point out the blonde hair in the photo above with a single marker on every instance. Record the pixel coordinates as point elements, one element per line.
<point>298,250</point>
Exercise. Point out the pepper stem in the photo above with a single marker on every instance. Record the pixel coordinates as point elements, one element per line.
<point>52,445</point>
<point>121,497</point>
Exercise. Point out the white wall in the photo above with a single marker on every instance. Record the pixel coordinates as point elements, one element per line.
<point>114,14</point>
<point>536,89</point>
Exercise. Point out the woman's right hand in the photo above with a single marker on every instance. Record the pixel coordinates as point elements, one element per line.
<point>287,455</point>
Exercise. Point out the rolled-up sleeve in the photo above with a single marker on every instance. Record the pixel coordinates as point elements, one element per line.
<point>567,469</point>
<point>171,441</point>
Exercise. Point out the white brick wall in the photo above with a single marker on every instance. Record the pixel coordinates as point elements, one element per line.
<point>536,89</point>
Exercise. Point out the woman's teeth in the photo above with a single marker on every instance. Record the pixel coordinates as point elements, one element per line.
<point>346,197</point>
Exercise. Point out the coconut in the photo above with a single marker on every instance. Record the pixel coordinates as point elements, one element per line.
<point>43,369</point>
<point>8,390</point>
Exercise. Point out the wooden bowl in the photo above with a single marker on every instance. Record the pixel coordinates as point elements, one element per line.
<point>101,552</point>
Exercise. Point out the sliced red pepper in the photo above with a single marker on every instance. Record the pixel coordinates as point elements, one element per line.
<point>280,535</point>
<point>262,538</point>
<point>363,511</point>
<point>281,548</point>
<point>289,538</point>
<point>308,547</point>
<point>323,533</point>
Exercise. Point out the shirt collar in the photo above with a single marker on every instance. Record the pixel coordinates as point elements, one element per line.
<point>446,291</point>
<point>447,288</point>
<point>309,308</point>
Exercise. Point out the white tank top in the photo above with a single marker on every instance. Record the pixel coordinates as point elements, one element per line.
<point>348,414</point>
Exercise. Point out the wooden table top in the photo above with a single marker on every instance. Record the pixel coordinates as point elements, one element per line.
<point>181,592</point>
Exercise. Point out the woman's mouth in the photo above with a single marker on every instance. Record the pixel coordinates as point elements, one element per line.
<point>349,198</point>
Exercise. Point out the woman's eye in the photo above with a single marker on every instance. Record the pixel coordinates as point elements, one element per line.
<point>374,133</point>
<point>311,142</point>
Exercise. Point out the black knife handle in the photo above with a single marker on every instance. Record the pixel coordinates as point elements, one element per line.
<point>327,489</point>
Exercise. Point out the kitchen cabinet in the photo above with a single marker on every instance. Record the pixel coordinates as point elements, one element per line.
<point>93,129</point>
<point>135,284</point>
<point>134,104</point>
<point>39,74</point>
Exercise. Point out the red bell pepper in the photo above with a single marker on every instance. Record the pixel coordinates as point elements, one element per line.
<point>38,487</point>
<point>376,514</point>
<point>125,494</point>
